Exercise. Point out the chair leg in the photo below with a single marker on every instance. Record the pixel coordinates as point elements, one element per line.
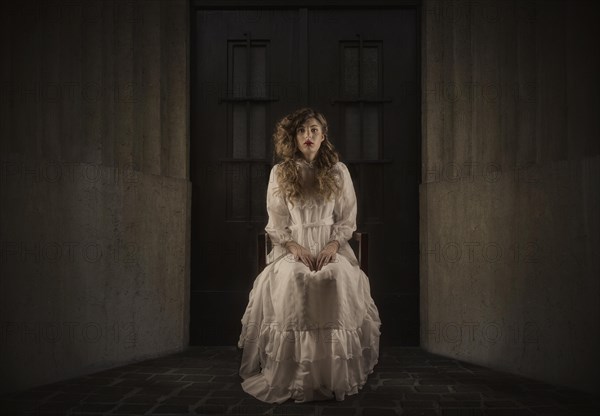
<point>261,255</point>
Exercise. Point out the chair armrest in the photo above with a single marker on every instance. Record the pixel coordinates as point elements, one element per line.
<point>262,244</point>
<point>363,249</point>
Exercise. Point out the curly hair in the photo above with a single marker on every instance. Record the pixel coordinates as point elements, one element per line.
<point>328,182</point>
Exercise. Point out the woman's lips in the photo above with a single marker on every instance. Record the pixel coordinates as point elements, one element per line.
<point>308,143</point>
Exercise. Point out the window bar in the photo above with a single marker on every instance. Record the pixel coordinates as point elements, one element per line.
<point>361,104</point>
<point>380,108</point>
<point>360,116</point>
<point>268,93</point>
<point>380,130</point>
<point>247,93</point>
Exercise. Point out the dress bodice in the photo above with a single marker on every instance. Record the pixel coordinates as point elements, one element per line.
<point>315,221</point>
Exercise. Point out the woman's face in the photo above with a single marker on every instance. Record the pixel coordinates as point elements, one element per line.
<point>309,137</point>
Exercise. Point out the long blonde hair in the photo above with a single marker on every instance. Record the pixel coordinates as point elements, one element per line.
<point>328,180</point>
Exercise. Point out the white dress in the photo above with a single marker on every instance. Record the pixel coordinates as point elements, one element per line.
<point>305,334</point>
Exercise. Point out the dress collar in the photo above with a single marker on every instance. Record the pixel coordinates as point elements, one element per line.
<point>303,162</point>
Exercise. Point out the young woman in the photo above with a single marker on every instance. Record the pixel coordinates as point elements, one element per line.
<point>311,328</point>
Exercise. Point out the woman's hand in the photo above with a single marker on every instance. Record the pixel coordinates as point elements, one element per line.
<point>327,254</point>
<point>301,253</point>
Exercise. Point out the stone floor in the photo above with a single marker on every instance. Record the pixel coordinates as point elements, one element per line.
<point>204,380</point>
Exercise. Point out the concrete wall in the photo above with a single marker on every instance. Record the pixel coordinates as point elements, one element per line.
<point>509,201</point>
<point>95,214</point>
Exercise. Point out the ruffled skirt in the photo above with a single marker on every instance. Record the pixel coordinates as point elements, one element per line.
<point>308,335</point>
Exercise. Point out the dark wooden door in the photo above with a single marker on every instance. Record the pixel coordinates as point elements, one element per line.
<point>250,67</point>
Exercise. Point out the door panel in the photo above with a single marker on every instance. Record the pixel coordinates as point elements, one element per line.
<point>371,60</point>
<point>251,67</point>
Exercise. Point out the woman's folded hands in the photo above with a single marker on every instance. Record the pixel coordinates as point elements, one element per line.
<point>301,253</point>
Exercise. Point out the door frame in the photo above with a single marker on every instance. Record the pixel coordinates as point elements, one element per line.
<point>416,5</point>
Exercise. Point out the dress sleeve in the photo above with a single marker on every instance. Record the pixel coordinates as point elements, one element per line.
<point>279,214</point>
<point>344,211</point>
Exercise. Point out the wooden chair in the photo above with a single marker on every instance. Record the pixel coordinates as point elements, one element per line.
<point>362,252</point>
